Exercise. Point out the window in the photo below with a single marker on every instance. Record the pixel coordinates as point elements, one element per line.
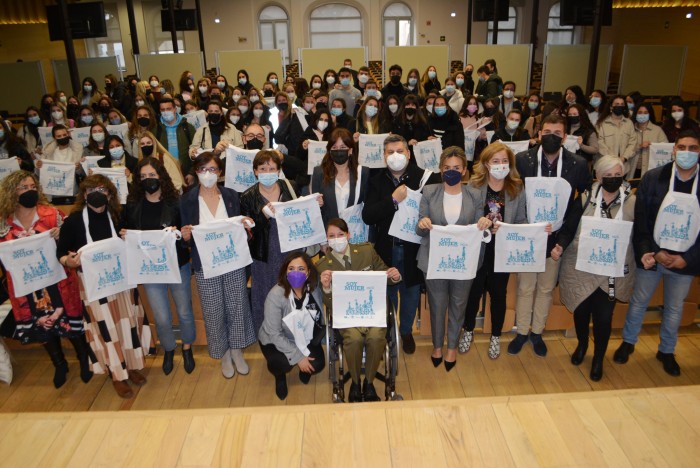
<point>111,45</point>
<point>556,33</point>
<point>273,30</point>
<point>159,41</point>
<point>335,25</point>
<point>506,29</point>
<point>398,25</point>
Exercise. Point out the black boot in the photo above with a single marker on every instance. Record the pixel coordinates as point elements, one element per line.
<point>597,368</point>
<point>168,361</point>
<point>53,347</point>
<point>82,349</point>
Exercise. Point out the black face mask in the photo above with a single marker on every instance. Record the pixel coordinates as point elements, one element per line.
<point>395,80</point>
<point>611,184</point>
<point>72,108</point>
<point>96,199</point>
<point>340,156</point>
<point>321,105</point>
<point>63,141</point>
<point>150,185</point>
<point>147,150</point>
<point>410,111</point>
<point>104,109</point>
<point>618,110</point>
<point>574,119</point>
<point>489,111</point>
<point>282,106</point>
<point>551,143</point>
<point>254,144</point>
<point>143,121</point>
<point>29,199</point>
<point>214,119</point>
<point>469,73</point>
<point>268,93</point>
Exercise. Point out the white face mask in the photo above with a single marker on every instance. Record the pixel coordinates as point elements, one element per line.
<point>499,171</point>
<point>316,85</point>
<point>429,108</point>
<point>513,124</point>
<point>254,98</point>
<point>363,78</point>
<point>339,244</point>
<point>393,108</point>
<point>236,97</point>
<point>330,80</point>
<point>677,116</point>
<point>57,115</point>
<point>322,125</point>
<point>308,106</point>
<point>243,109</point>
<point>509,94</point>
<point>139,103</point>
<point>207,179</point>
<point>203,89</point>
<point>234,119</point>
<point>154,84</point>
<point>98,137</point>
<point>258,113</point>
<point>396,161</point>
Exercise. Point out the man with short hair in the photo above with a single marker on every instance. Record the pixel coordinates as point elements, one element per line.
<point>176,133</point>
<point>346,91</point>
<point>487,86</point>
<point>384,193</point>
<point>254,137</point>
<point>394,85</point>
<point>666,195</point>
<point>347,63</point>
<point>362,78</point>
<point>535,289</point>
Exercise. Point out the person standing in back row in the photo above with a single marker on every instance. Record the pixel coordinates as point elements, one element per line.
<point>347,91</point>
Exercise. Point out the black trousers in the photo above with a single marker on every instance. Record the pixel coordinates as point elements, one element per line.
<point>496,284</point>
<point>600,307</point>
<point>279,366</point>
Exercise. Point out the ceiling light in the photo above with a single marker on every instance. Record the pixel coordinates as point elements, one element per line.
<point>453,14</point>
<point>217,20</point>
<point>688,15</point>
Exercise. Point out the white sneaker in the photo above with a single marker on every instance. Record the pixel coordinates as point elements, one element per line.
<point>465,341</point>
<point>227,365</point>
<point>239,361</point>
<point>495,347</point>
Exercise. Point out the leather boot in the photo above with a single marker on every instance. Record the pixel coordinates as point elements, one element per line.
<point>597,368</point>
<point>53,347</point>
<point>82,349</point>
<point>168,362</point>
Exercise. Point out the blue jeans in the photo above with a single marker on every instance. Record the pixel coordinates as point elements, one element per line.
<point>160,305</point>
<point>410,296</point>
<point>676,287</point>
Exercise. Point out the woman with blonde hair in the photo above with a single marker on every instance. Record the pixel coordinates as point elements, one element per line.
<point>367,118</point>
<point>150,147</point>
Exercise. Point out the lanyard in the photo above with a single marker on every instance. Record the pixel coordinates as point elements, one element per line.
<point>86,221</point>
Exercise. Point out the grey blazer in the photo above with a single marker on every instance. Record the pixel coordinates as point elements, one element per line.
<point>431,207</point>
<point>516,212</point>
<point>274,331</point>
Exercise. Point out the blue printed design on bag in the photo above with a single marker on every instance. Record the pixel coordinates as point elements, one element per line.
<point>360,308</point>
<point>411,203</point>
<point>680,232</point>
<point>429,158</point>
<point>245,178</point>
<point>544,215</point>
<point>358,230</point>
<point>517,256</point>
<point>32,272</point>
<point>452,264</point>
<point>375,153</point>
<point>302,229</point>
<point>410,225</point>
<point>108,277</point>
<point>160,266</point>
<point>225,255</point>
<point>57,182</point>
<point>607,257</point>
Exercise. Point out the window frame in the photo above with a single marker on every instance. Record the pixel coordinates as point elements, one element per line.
<point>359,16</point>
<point>286,55</point>
<point>396,20</point>
<point>514,29</point>
<point>561,29</point>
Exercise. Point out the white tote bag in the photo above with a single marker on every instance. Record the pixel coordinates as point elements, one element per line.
<point>370,150</point>
<point>239,169</point>
<point>517,146</point>
<point>8,166</point>
<point>428,154</point>
<point>660,154</point>
<point>299,223</point>
<point>359,299</point>
<point>470,137</point>
<point>222,246</point>
<point>118,177</point>
<point>120,130</point>
<point>151,257</point>
<point>603,242</point>
<point>57,178</point>
<point>359,231</point>
<point>547,197</point>
<point>80,135</point>
<point>90,163</point>
<point>454,251</point>
<point>32,263</point>
<point>403,224</point>
<point>520,248</point>
<point>316,152</point>
<point>678,220</point>
<point>571,143</point>
<point>301,323</point>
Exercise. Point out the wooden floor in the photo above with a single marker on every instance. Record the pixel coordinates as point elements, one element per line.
<point>474,376</point>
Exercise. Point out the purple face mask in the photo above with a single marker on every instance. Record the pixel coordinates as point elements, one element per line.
<point>296,278</point>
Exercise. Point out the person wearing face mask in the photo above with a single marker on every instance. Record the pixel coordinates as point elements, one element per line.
<point>86,117</point>
<point>273,79</point>
<point>429,81</point>
<point>346,91</point>
<point>176,134</point>
<point>550,166</point>
<point>647,132</point>
<point>487,87</point>
<point>616,135</point>
<point>411,124</point>
<point>508,100</point>
<point>449,203</point>
<point>58,117</point>
<point>596,104</point>
<point>413,85</point>
<point>371,91</point>
<point>228,322</point>
<point>361,78</point>
<point>367,122</point>
<point>45,107</point>
<point>201,93</point>
<point>572,95</point>
<point>117,327</point>
<point>296,292</point>
<point>144,120</point>
<point>468,87</point>
<point>394,87</point>
<point>330,79</point>
<point>102,110</point>
<point>218,135</point>
<point>385,192</point>
<point>29,133</point>
<point>150,147</point>
<point>154,204</point>
<point>254,137</point>
<point>445,124</point>
<point>531,111</point>
<point>454,96</point>
<point>264,243</point>
<point>259,115</point>
<point>96,143</point>
<point>223,86</point>
<point>234,116</point>
<point>337,176</point>
<point>499,189</point>
<point>186,86</point>
<point>468,114</point>
<point>89,95</point>
<point>116,156</point>
<point>390,112</point>
<point>678,120</point>
<point>589,295</point>
<point>25,211</point>
<point>320,126</point>
<point>73,108</point>
<point>632,100</point>
<point>577,124</point>
<point>668,197</point>
<point>340,115</point>
<point>12,146</point>
<point>512,130</point>
<point>244,81</point>
<point>62,148</point>
<point>343,256</point>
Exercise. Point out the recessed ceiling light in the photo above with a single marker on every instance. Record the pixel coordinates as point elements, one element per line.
<point>217,20</point>
<point>688,15</point>
<point>453,14</point>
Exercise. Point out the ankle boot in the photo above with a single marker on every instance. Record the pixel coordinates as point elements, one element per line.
<point>53,347</point>
<point>597,368</point>
<point>82,349</point>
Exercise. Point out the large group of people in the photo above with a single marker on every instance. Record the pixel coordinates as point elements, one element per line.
<point>173,156</point>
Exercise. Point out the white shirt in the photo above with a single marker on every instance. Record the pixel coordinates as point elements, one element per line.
<point>206,216</point>
<point>452,205</point>
<point>342,194</point>
<point>62,155</point>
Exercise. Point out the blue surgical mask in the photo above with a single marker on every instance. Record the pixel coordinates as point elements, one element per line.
<point>115,121</point>
<point>642,118</point>
<point>450,89</point>
<point>242,81</point>
<point>533,105</point>
<point>440,111</point>
<point>116,153</point>
<point>87,119</point>
<point>371,111</point>
<point>482,79</point>
<point>594,101</point>
<point>168,116</point>
<point>460,82</point>
<point>630,106</point>
<point>273,81</point>
<point>686,159</point>
<point>221,84</point>
<point>432,75</point>
<point>373,93</point>
<point>413,81</point>
<point>345,81</point>
<point>337,111</point>
<point>34,120</point>
<point>268,179</point>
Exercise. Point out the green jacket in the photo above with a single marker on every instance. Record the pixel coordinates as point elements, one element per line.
<point>185,134</point>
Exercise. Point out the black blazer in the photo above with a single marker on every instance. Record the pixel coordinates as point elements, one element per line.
<point>189,213</point>
<point>329,210</point>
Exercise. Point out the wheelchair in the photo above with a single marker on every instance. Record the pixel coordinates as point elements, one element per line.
<point>335,362</point>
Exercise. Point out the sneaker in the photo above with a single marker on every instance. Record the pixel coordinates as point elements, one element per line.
<point>239,361</point>
<point>670,365</point>
<point>495,347</point>
<point>465,341</point>
<point>538,344</point>
<point>227,365</point>
<point>409,344</point>
<point>516,345</point>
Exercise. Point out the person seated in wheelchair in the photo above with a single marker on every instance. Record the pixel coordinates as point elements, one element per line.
<point>294,326</point>
<point>343,256</point>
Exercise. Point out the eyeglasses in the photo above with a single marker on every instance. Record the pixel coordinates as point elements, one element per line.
<point>97,189</point>
<point>251,136</point>
<point>24,188</point>
<point>203,170</point>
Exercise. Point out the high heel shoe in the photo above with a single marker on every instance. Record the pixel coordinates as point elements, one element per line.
<point>449,365</point>
<point>436,360</point>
